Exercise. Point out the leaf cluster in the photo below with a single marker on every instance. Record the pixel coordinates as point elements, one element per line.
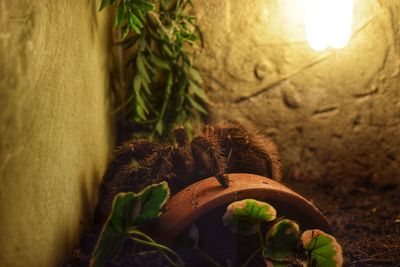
<point>166,89</point>
<point>129,212</point>
<point>283,245</point>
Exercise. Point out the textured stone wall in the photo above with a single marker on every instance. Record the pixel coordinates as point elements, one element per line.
<point>54,125</point>
<point>334,113</point>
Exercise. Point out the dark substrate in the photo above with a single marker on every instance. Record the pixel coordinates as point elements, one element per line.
<point>365,217</point>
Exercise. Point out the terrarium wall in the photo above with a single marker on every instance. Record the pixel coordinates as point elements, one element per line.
<point>55,126</point>
<point>334,113</point>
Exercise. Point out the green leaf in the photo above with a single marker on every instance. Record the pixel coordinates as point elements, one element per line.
<point>103,4</point>
<point>167,50</point>
<point>135,28</point>
<point>137,84</point>
<point>282,240</point>
<point>128,42</point>
<point>142,68</point>
<point>199,92</point>
<point>141,103</point>
<point>128,210</point>
<point>119,18</point>
<point>152,199</point>
<point>195,75</point>
<point>159,127</point>
<point>138,14</point>
<point>143,5</point>
<point>134,21</point>
<point>126,32</point>
<point>114,231</point>
<point>323,249</point>
<point>162,64</point>
<point>245,215</point>
<point>196,105</point>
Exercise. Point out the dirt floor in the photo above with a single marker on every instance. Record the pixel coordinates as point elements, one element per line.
<point>366,218</point>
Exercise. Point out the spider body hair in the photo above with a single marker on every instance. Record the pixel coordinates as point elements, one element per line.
<point>182,161</point>
<point>208,157</point>
<point>216,151</point>
<point>247,151</point>
<point>127,158</point>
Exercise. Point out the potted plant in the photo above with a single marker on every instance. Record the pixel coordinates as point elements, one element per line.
<point>193,217</point>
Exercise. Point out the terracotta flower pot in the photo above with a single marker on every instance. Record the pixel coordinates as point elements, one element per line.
<point>200,198</point>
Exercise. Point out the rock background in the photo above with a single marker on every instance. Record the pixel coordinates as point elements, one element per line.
<point>334,113</point>
<point>55,127</point>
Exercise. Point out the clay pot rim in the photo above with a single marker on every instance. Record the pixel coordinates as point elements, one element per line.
<point>194,201</point>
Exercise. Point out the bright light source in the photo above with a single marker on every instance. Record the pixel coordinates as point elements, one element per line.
<point>329,23</point>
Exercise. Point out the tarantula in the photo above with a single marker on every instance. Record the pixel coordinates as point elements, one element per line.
<point>217,151</point>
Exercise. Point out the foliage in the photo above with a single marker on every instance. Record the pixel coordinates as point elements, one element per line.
<point>283,245</point>
<point>165,88</point>
<point>244,216</point>
<point>281,240</point>
<point>129,212</point>
<point>323,250</point>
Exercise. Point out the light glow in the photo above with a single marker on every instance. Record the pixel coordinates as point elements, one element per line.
<point>328,23</point>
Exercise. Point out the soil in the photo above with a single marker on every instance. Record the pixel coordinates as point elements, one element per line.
<point>365,217</point>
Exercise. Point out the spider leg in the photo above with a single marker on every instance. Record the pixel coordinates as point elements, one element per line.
<point>157,167</point>
<point>182,160</point>
<point>208,158</point>
<point>126,160</point>
<point>250,151</point>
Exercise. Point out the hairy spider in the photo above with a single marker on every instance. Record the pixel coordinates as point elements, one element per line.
<point>216,151</point>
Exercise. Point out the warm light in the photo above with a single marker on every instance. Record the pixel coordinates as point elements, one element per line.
<point>329,23</point>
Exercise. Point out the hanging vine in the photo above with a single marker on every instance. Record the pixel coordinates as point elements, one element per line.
<point>165,89</point>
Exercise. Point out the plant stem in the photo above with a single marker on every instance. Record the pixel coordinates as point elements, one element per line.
<point>260,236</point>
<point>161,248</point>
<point>207,257</point>
<point>157,246</point>
<point>251,257</point>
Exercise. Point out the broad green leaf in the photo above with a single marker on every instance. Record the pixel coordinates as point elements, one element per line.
<point>152,199</point>
<point>114,231</point>
<point>244,216</point>
<point>323,249</point>
<point>282,240</point>
<point>128,210</point>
